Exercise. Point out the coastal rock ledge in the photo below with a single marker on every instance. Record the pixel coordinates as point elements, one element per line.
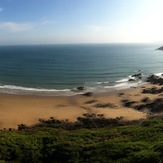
<point>153,79</point>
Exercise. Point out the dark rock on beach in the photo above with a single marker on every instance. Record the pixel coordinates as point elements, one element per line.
<point>121,94</point>
<point>146,100</point>
<point>127,103</point>
<point>155,79</point>
<point>154,107</point>
<point>108,105</point>
<point>80,88</point>
<point>88,94</point>
<point>153,90</point>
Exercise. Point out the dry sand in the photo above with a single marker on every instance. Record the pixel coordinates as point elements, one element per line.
<point>17,109</point>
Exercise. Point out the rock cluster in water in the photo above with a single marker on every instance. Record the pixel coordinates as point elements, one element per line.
<point>138,75</point>
<point>81,88</point>
<point>135,77</point>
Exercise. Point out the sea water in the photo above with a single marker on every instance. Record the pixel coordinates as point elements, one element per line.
<point>60,69</point>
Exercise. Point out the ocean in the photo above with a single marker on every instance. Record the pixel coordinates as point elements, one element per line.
<point>60,69</point>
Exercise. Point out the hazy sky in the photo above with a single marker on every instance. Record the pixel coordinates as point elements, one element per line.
<point>80,21</point>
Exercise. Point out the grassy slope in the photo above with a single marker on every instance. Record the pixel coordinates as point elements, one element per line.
<point>130,143</point>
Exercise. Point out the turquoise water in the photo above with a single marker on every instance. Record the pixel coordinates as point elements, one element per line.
<point>59,69</point>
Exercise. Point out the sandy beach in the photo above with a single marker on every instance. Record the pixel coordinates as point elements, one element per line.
<point>18,109</point>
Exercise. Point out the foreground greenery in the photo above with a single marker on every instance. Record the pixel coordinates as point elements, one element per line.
<point>51,141</point>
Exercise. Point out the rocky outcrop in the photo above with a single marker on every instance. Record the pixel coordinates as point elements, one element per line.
<point>153,90</point>
<point>154,107</point>
<point>153,79</point>
<point>81,88</point>
<point>137,76</point>
<point>88,94</point>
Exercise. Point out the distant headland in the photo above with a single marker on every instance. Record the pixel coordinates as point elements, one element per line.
<point>160,48</point>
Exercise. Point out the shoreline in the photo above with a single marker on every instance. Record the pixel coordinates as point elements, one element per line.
<point>28,109</point>
<point>25,91</point>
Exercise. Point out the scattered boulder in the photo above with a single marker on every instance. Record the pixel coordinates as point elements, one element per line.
<point>88,94</point>
<point>127,103</point>
<point>135,77</point>
<point>90,101</point>
<point>121,94</point>
<point>138,75</point>
<point>108,105</point>
<point>146,99</point>
<point>81,88</point>
<point>130,80</point>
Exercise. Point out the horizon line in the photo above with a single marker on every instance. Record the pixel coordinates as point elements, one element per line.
<point>93,43</point>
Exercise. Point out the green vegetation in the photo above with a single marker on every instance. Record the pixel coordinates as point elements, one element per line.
<point>61,141</point>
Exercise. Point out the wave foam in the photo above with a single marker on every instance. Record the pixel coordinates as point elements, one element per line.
<point>122,80</point>
<point>98,86</point>
<point>12,89</point>
<point>127,85</point>
<point>99,83</point>
<point>159,74</point>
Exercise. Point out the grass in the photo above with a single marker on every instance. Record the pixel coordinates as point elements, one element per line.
<point>131,142</point>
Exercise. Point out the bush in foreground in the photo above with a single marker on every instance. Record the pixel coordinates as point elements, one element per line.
<point>50,141</point>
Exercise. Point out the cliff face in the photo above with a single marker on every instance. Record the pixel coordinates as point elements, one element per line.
<point>160,48</point>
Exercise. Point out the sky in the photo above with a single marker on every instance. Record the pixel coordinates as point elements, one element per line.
<point>80,21</point>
